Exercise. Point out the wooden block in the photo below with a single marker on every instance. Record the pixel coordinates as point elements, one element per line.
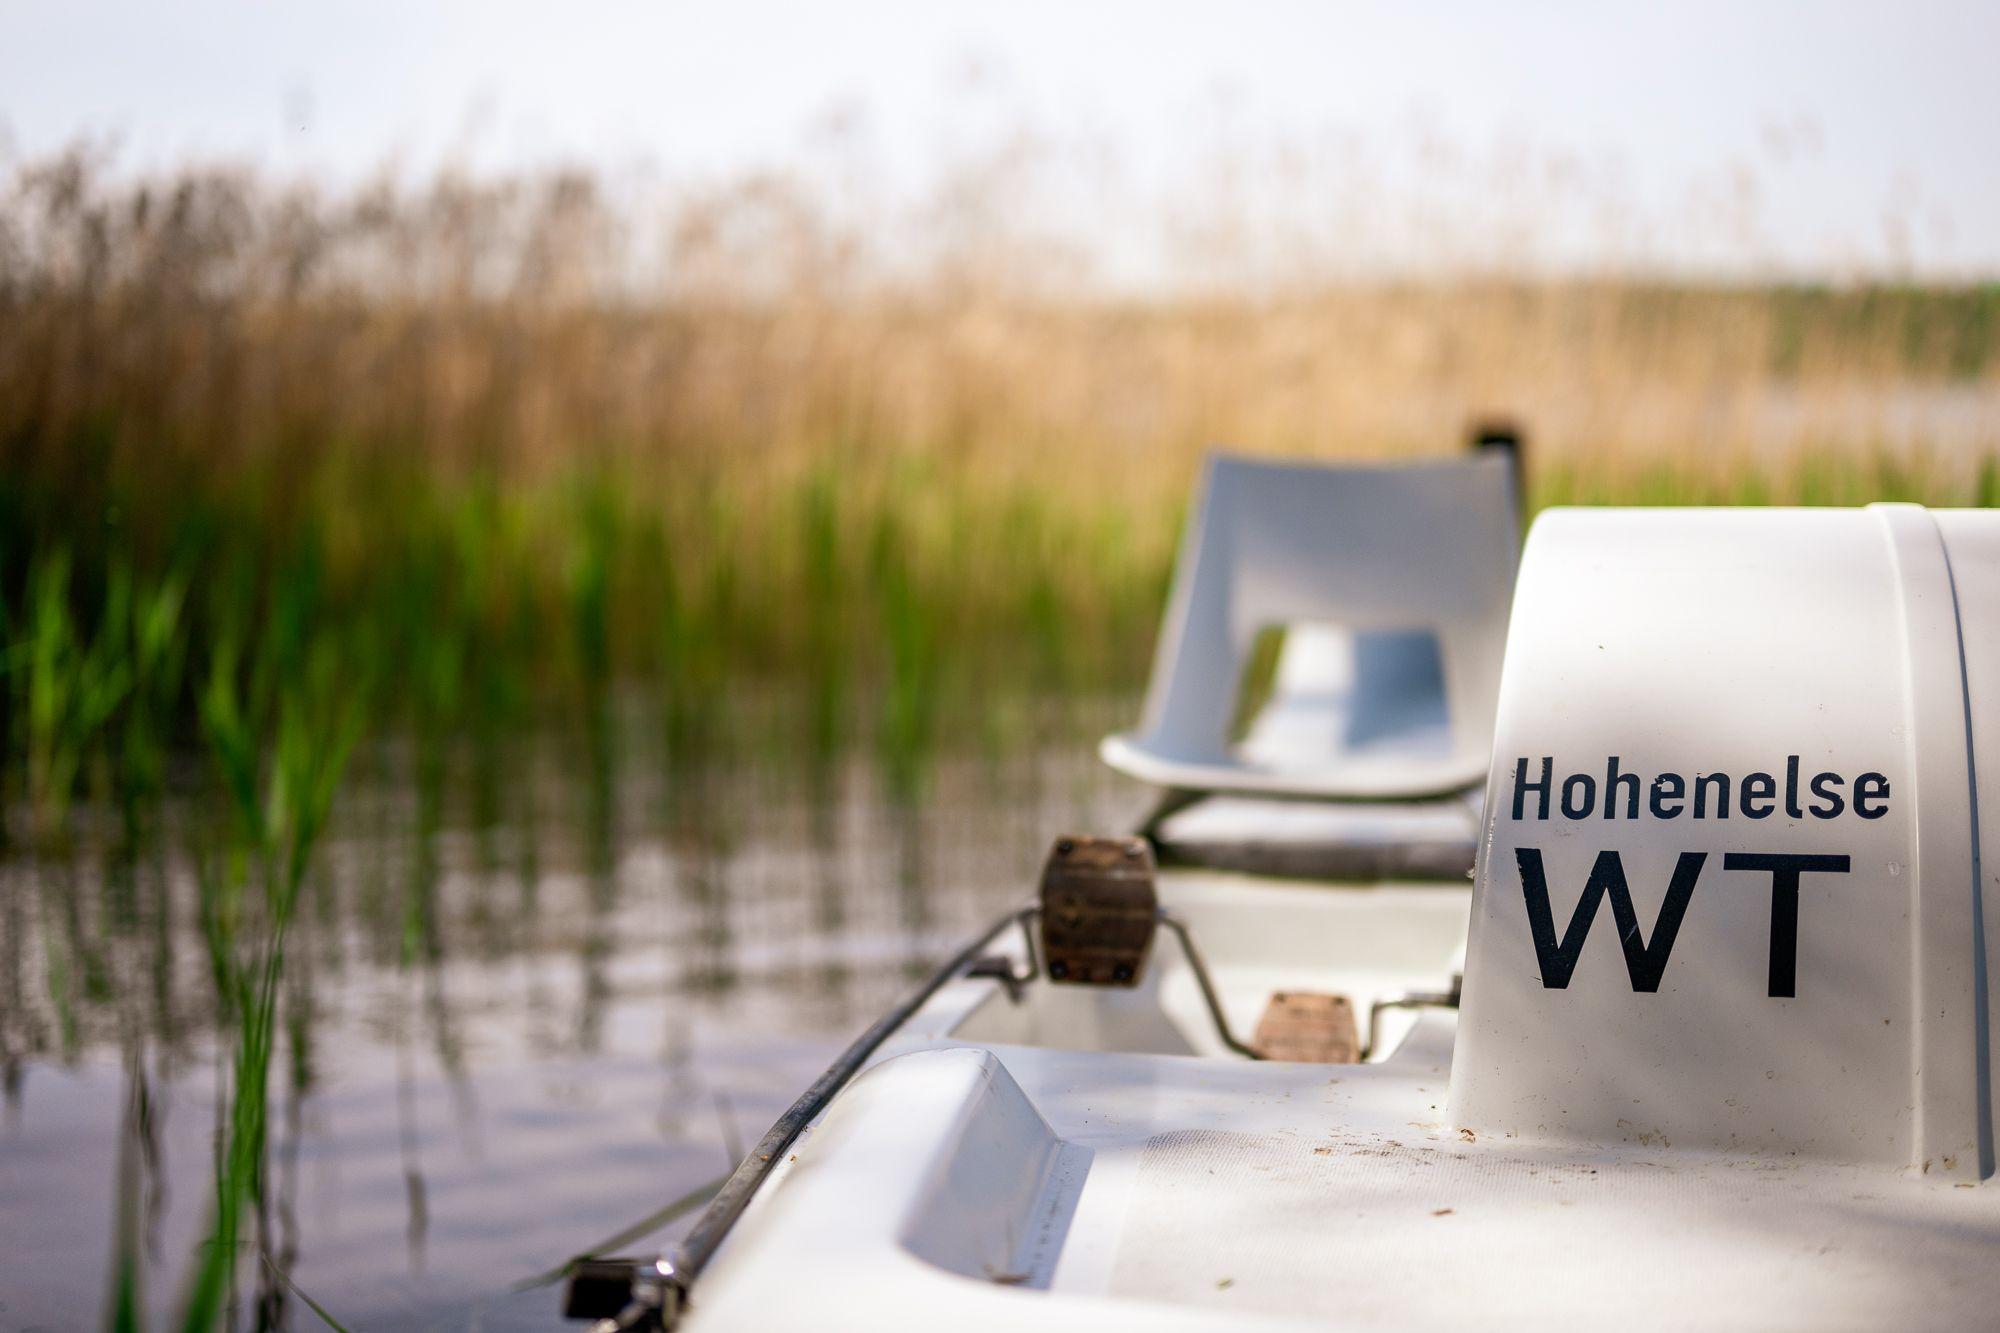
<point>1099,909</point>
<point>1309,1028</point>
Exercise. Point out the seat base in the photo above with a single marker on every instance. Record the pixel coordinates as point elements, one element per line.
<point>1427,840</point>
<point>1374,778</point>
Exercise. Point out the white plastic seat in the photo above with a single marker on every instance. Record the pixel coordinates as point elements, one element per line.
<point>1393,583</point>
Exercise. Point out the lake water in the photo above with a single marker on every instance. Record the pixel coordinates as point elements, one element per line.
<point>507,1029</point>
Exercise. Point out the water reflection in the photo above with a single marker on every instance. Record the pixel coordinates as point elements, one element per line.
<point>533,990</point>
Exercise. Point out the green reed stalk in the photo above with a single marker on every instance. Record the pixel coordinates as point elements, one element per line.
<point>73,681</point>
<point>280,770</point>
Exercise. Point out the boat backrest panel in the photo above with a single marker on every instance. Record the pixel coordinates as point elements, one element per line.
<point>1396,580</point>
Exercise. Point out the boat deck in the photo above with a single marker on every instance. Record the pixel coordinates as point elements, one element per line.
<point>976,1184</point>
<point>1340,1207</point>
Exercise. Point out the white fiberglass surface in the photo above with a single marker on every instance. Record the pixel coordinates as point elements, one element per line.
<point>995,1188</point>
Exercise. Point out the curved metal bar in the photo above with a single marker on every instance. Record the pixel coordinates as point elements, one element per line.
<point>1173,923</point>
<point>1026,916</point>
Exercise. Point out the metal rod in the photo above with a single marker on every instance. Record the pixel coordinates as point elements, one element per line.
<point>1409,999</point>
<point>679,1269</point>
<point>1201,977</point>
<point>1032,912</point>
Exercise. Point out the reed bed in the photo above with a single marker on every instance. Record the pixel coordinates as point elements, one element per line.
<point>730,437</point>
<point>519,444</point>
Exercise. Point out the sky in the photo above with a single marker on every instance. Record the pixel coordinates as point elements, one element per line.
<point>1832,137</point>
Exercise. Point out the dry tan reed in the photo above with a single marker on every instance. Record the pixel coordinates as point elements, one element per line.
<point>215,319</point>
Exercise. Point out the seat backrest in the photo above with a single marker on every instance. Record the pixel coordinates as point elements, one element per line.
<point>1389,553</point>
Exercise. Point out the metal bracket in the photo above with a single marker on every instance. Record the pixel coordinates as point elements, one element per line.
<point>623,1295</point>
<point>999,967</point>
<point>1412,999</point>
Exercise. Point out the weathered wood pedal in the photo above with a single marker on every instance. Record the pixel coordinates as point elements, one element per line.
<point>1098,910</point>
<point>1309,1028</point>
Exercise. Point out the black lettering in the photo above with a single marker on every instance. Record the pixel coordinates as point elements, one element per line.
<point>1644,962</point>
<point>1522,786</point>
<point>1629,795</point>
<point>1867,787</point>
<point>1756,787</point>
<point>1785,871</point>
<point>1667,787</point>
<point>1589,786</point>
<point>1826,786</point>
<point>1612,779</point>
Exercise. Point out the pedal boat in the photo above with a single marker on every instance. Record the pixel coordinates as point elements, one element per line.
<point>1678,1016</point>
